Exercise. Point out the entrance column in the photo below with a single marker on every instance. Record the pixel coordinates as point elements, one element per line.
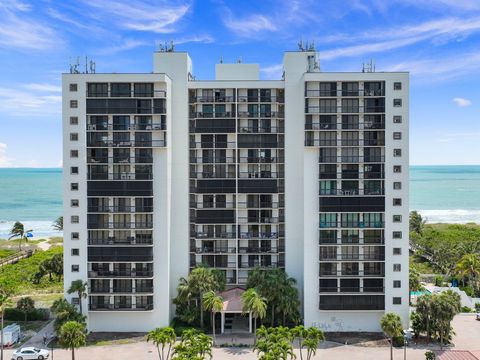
<point>223,322</point>
<point>250,322</point>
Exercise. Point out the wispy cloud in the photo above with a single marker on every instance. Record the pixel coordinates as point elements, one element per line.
<point>5,161</point>
<point>272,72</point>
<point>17,102</point>
<point>23,31</point>
<point>249,26</point>
<point>142,15</point>
<point>126,44</point>
<point>43,87</point>
<point>462,102</point>
<point>205,39</point>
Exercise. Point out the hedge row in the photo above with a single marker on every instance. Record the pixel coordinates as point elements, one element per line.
<point>13,314</point>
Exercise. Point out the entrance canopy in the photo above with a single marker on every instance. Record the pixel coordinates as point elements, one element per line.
<point>232,304</point>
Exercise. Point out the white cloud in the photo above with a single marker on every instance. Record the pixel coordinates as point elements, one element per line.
<point>5,161</point>
<point>205,38</point>
<point>249,26</point>
<point>20,31</point>
<point>43,87</point>
<point>273,71</point>
<point>142,15</point>
<point>17,102</point>
<point>462,102</point>
<point>127,44</point>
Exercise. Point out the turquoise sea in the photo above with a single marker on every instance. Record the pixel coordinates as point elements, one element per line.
<point>440,193</point>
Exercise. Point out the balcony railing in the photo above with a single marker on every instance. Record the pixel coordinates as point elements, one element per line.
<point>351,159</point>
<point>120,241</point>
<point>260,159</point>
<point>211,99</point>
<point>120,209</point>
<point>131,93</point>
<point>340,92</point>
<point>112,307</point>
<point>127,143</point>
<point>120,274</point>
<point>261,130</point>
<point>120,225</point>
<point>126,127</point>
<point>261,220</point>
<point>119,176</point>
<point>267,99</point>
<point>257,114</point>
<point>344,109</point>
<point>351,192</point>
<point>350,289</point>
<point>351,273</point>
<point>351,224</point>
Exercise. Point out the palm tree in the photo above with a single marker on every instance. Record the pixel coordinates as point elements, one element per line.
<point>72,336</point>
<point>4,301</point>
<point>58,223</point>
<point>469,267</point>
<point>444,307</point>
<point>424,309</point>
<point>25,305</point>
<point>79,287</point>
<point>214,303</point>
<point>164,337</point>
<point>255,304</point>
<point>392,327</point>
<point>18,231</point>
<point>308,338</point>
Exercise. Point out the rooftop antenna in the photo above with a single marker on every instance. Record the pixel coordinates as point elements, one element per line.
<point>221,59</point>
<point>300,45</point>
<point>239,60</point>
<point>369,67</point>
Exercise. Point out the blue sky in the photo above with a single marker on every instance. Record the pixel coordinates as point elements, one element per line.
<point>436,40</point>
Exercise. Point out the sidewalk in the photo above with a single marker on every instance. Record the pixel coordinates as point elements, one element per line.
<point>37,339</point>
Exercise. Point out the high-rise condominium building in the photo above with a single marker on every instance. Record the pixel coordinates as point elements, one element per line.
<point>309,173</point>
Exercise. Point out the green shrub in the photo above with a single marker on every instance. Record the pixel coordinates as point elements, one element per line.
<point>438,280</point>
<point>477,307</point>
<point>398,341</point>
<point>468,290</point>
<point>12,314</point>
<point>466,309</point>
<point>429,355</point>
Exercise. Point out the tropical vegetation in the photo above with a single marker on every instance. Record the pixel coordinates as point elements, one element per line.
<point>391,325</point>
<point>25,304</point>
<point>255,304</point>
<point>65,312</point>
<point>164,340</point>
<point>79,287</point>
<point>213,303</point>
<point>18,232</point>
<point>58,223</point>
<point>72,335</point>
<point>4,302</point>
<point>433,315</point>
<point>193,345</point>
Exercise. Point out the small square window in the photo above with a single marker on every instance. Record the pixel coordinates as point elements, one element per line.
<point>74,219</point>
<point>74,203</point>
<point>74,170</point>
<point>397,86</point>
<point>397,251</point>
<point>75,268</point>
<point>74,153</point>
<point>75,301</point>
<point>397,152</point>
<point>397,119</point>
<point>75,252</point>
<point>397,185</point>
<point>73,136</point>
<point>397,301</point>
<point>397,284</point>
<point>74,186</point>
<point>73,104</point>
<point>75,235</point>
<point>397,136</point>
<point>397,168</point>
<point>73,87</point>
<point>397,218</point>
<point>397,267</point>
<point>73,120</point>
<point>397,202</point>
<point>397,102</point>
<point>397,234</point>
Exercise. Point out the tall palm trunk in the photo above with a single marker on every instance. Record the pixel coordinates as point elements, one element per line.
<point>273,315</point>
<point>391,349</point>
<point>73,353</point>
<point>80,302</point>
<point>213,327</point>
<point>201,310</point>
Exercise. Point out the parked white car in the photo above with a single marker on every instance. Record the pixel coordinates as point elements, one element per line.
<point>478,316</point>
<point>30,353</point>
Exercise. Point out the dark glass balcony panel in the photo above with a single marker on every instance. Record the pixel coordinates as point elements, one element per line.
<point>352,302</point>
<point>122,254</point>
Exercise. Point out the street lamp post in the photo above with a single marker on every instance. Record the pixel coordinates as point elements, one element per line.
<point>404,345</point>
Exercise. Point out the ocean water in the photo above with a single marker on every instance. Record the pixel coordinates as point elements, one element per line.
<point>440,193</point>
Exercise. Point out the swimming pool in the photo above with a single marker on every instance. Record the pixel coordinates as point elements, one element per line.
<point>419,293</point>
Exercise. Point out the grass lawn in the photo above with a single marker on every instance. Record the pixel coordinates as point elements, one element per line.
<point>42,299</point>
<point>55,240</point>
<point>6,252</point>
<point>421,265</point>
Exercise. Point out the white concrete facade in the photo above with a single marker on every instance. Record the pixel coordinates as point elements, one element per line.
<point>297,114</point>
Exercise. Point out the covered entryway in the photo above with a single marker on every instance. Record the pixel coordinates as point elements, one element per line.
<point>232,318</point>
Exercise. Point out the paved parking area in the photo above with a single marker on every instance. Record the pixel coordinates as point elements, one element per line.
<point>466,327</point>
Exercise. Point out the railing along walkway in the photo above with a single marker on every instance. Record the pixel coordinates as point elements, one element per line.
<point>12,259</point>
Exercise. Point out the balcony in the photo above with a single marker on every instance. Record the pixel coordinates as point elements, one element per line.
<point>260,250</point>
<point>118,307</point>
<point>210,205</point>
<point>214,250</point>
<point>260,205</point>
<point>127,143</point>
<point>121,225</point>
<point>261,220</point>
<point>212,145</point>
<point>351,224</point>
<point>352,289</point>
<point>259,114</point>
<point>260,235</point>
<point>261,130</point>
<point>256,99</point>
<point>119,176</point>
<point>350,192</point>
<point>351,273</point>
<point>121,241</point>
<point>128,94</point>
<point>211,99</point>
<point>260,159</point>
<point>211,115</point>
<point>120,209</point>
<point>128,127</point>
<point>207,235</point>
<point>120,274</point>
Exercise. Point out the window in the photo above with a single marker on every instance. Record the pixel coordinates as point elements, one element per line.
<point>120,90</point>
<point>397,234</point>
<point>397,136</point>
<point>75,268</point>
<point>397,267</point>
<point>397,218</point>
<point>397,86</point>
<point>74,153</point>
<point>397,202</point>
<point>397,102</point>
<point>397,119</point>
<point>74,170</point>
<point>397,251</point>
<point>397,152</point>
<point>74,186</point>
<point>73,104</point>
<point>75,301</point>
<point>75,252</point>
<point>75,235</point>
<point>397,168</point>
<point>73,120</point>
<point>74,203</point>
<point>74,219</point>
<point>74,136</point>
<point>397,185</point>
<point>397,284</point>
<point>397,301</point>
<point>73,87</point>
